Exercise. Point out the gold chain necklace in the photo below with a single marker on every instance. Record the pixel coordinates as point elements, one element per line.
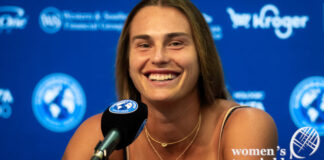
<point>193,139</point>
<point>165,144</point>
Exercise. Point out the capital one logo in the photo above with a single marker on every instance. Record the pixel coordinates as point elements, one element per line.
<point>269,17</point>
<point>12,17</point>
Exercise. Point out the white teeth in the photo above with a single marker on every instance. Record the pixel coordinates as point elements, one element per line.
<point>161,77</point>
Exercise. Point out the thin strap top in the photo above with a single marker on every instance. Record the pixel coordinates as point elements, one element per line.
<point>228,113</point>
<point>126,153</point>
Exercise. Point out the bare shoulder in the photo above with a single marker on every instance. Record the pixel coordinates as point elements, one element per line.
<point>249,128</point>
<point>84,140</point>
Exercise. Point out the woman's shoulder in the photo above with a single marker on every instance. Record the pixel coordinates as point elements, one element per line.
<point>239,115</point>
<point>84,140</point>
<point>248,128</point>
<point>91,126</point>
<point>249,119</point>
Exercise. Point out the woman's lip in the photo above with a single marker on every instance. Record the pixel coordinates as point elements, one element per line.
<point>161,77</point>
<point>161,83</point>
<point>164,82</point>
<point>164,71</point>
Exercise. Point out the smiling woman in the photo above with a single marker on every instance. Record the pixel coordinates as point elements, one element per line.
<point>167,59</point>
<point>160,49</point>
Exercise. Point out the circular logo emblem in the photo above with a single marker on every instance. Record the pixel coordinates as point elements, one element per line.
<point>50,20</point>
<point>304,143</point>
<point>59,102</point>
<point>123,107</point>
<point>5,111</point>
<point>307,104</point>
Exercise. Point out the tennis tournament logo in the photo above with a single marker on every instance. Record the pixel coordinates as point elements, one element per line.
<point>12,17</point>
<point>304,143</point>
<point>250,98</point>
<point>59,102</point>
<point>52,20</point>
<point>6,99</point>
<point>307,104</point>
<point>124,107</point>
<point>216,30</point>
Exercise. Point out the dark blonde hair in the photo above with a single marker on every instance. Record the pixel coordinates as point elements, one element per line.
<point>211,79</point>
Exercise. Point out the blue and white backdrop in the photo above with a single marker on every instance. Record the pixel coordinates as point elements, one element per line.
<point>57,68</point>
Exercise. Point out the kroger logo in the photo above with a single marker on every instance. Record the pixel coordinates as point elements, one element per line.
<point>50,20</point>
<point>268,17</point>
<point>59,102</point>
<point>12,17</point>
<point>124,107</point>
<point>307,103</point>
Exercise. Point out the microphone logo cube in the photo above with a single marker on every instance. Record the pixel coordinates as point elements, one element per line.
<point>124,107</point>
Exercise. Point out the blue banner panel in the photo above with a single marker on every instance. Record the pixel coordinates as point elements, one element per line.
<point>57,62</point>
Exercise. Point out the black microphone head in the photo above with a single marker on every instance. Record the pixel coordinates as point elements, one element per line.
<point>128,117</point>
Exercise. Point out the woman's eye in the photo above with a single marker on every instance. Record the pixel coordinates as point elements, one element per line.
<point>176,44</point>
<point>143,45</point>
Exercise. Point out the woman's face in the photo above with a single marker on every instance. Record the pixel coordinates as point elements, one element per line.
<point>163,61</point>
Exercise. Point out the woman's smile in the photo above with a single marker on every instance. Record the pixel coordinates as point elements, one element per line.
<point>162,77</point>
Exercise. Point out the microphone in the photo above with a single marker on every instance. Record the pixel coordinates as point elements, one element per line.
<point>121,123</point>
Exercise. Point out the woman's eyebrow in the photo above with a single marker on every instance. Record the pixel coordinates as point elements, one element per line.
<point>144,36</point>
<point>177,34</point>
<point>168,36</point>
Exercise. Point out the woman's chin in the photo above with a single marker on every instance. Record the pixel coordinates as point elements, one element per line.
<point>159,99</point>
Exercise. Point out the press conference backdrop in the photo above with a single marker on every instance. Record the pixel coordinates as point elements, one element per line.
<point>57,68</point>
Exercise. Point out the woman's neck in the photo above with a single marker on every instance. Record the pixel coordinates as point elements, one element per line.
<point>171,121</point>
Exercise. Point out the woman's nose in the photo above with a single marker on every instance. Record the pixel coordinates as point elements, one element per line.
<point>160,56</point>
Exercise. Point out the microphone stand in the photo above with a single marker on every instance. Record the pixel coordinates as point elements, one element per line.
<point>104,148</point>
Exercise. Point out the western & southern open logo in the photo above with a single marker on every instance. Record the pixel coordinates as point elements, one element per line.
<point>307,104</point>
<point>124,107</point>
<point>59,102</point>
<point>50,20</point>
